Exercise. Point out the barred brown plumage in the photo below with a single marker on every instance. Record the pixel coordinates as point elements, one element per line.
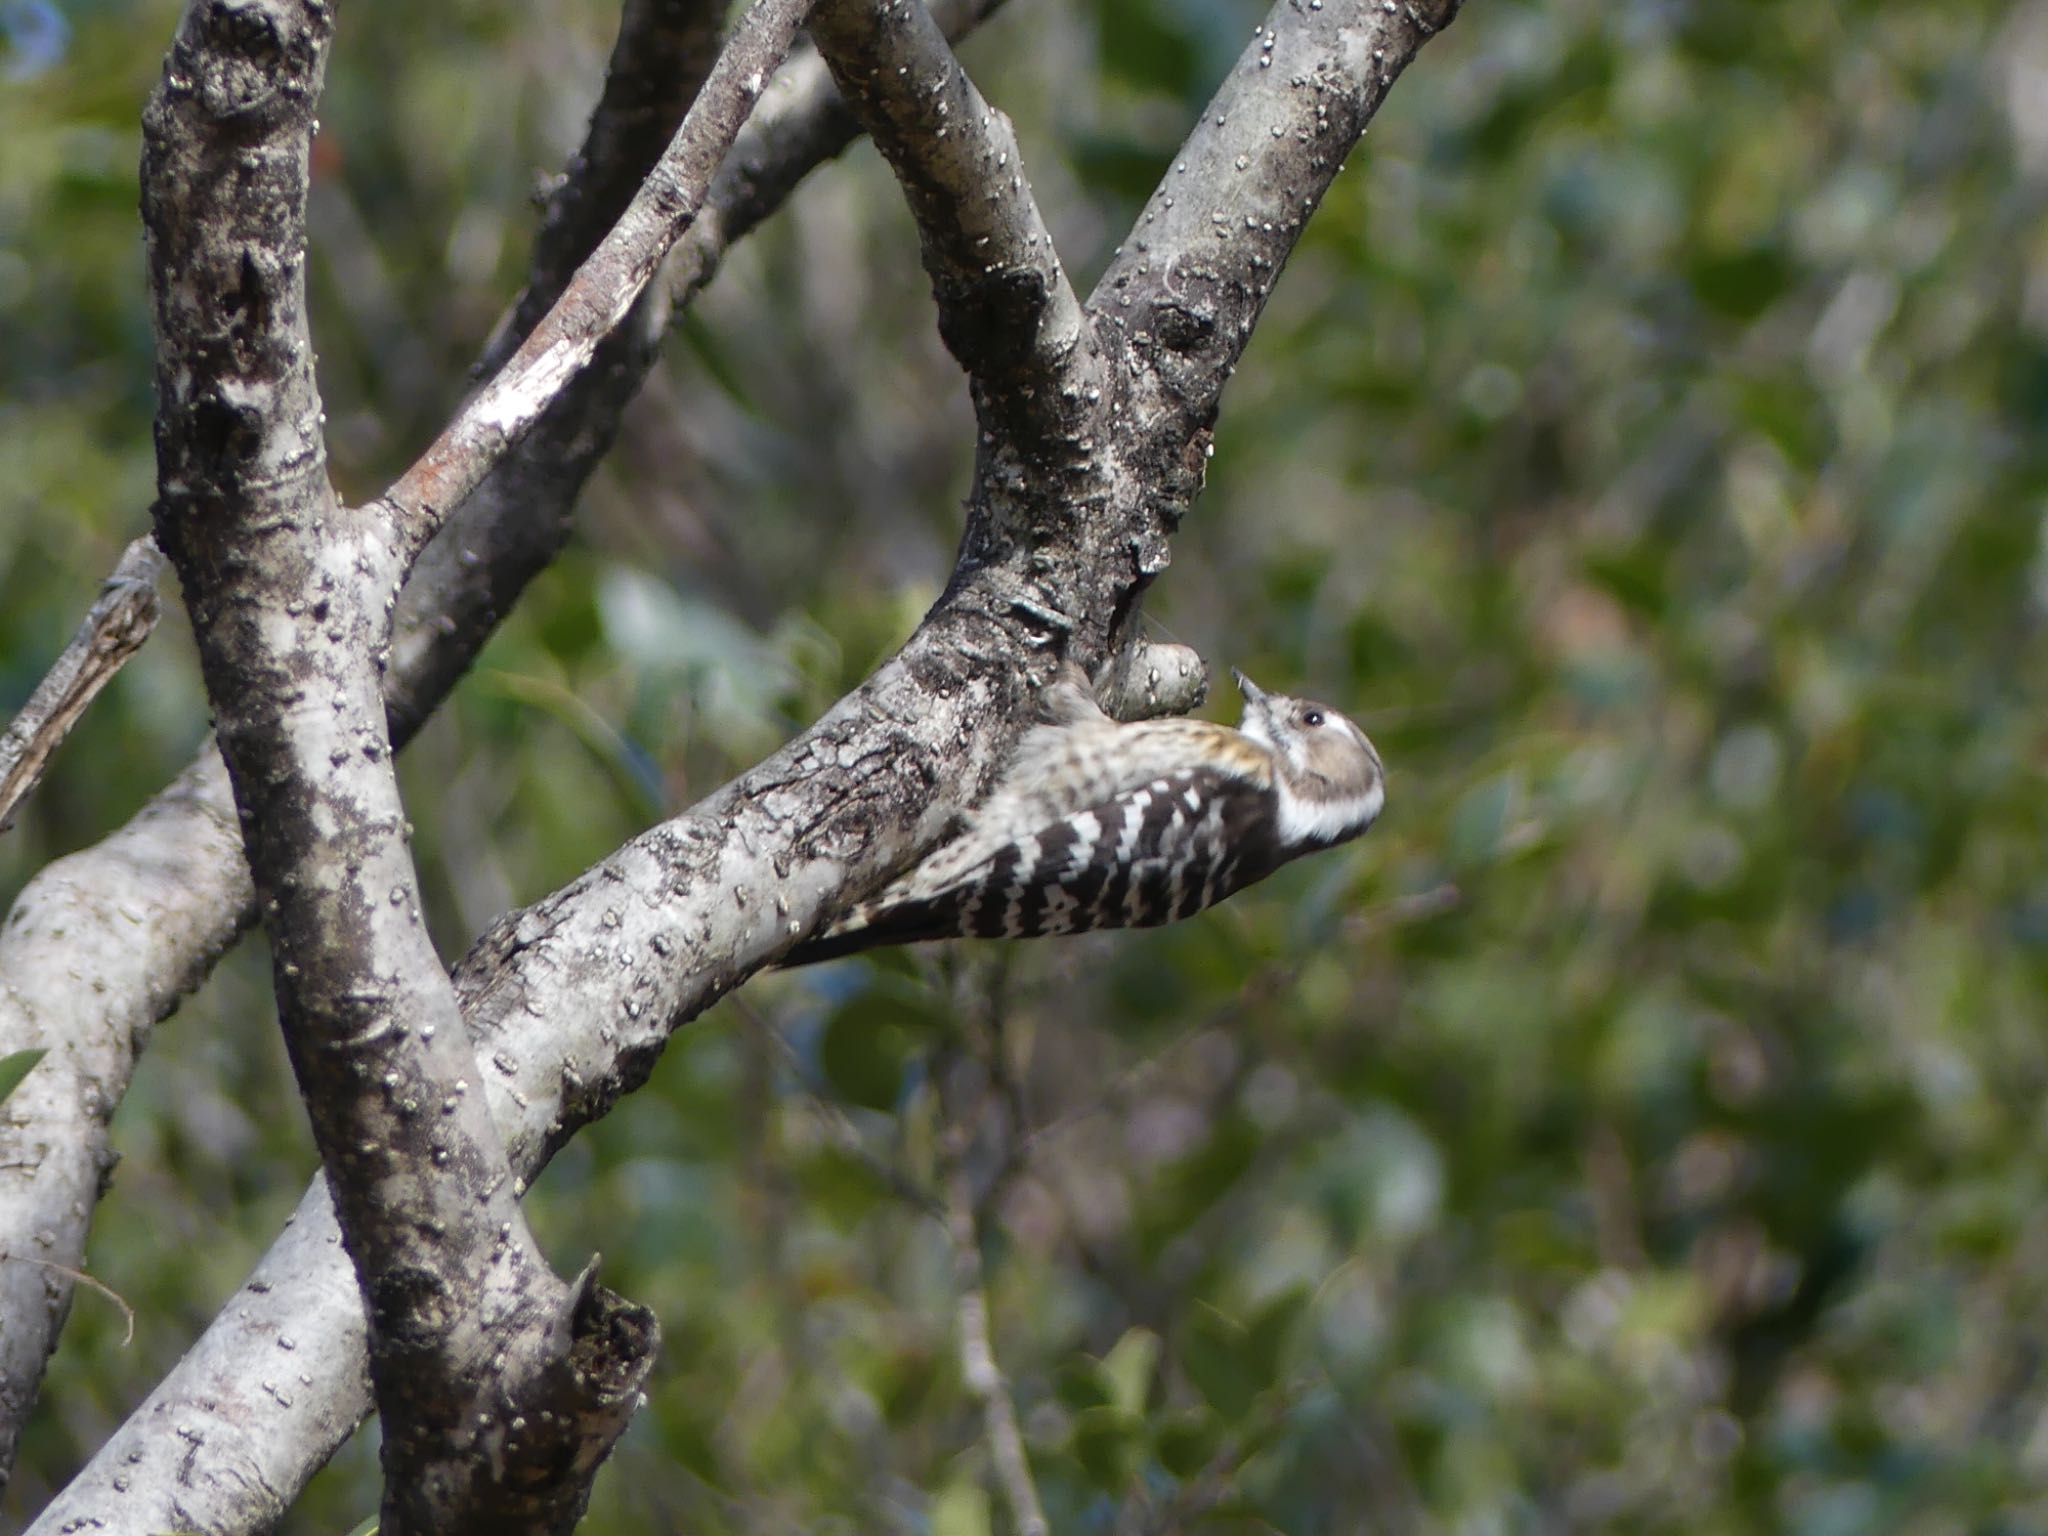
<point>1101,825</point>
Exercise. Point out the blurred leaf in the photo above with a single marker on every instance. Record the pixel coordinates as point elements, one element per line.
<point>961,1509</point>
<point>865,1049</point>
<point>639,791</point>
<point>1108,1442</point>
<point>1082,1383</point>
<point>841,1186</point>
<point>1267,1336</point>
<point>1187,1442</point>
<point>1480,820</point>
<point>1742,286</point>
<point>1141,42</point>
<point>1196,1182</point>
<point>1635,576</point>
<point>16,1065</point>
<point>1217,1353</point>
<point>1129,1367</point>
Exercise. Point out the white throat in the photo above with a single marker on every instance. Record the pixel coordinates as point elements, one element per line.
<point>1326,821</point>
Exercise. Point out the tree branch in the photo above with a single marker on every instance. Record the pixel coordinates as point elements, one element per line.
<point>113,630</point>
<point>569,1004</point>
<point>664,53</point>
<point>570,1001</point>
<point>1006,309</point>
<point>500,1388</point>
<point>103,944</point>
<point>1191,278</point>
<point>605,288</point>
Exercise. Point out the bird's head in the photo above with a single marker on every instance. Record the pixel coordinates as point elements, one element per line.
<point>1327,772</point>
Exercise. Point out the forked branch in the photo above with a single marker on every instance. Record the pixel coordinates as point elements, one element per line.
<point>103,944</point>
<point>570,1001</point>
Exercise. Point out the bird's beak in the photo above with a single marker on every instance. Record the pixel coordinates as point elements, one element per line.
<point>1253,693</point>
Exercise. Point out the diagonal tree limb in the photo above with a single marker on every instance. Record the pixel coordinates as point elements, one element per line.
<point>1178,302</point>
<point>104,943</point>
<point>516,521</point>
<point>500,1388</point>
<point>1188,283</point>
<point>602,294</point>
<point>114,629</point>
<point>664,53</point>
<point>1006,308</point>
<point>570,1001</point>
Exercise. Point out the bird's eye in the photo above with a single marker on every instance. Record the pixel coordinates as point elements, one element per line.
<point>1311,717</point>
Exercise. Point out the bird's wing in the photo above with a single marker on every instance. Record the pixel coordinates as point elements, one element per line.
<point>1164,849</point>
<point>1058,770</point>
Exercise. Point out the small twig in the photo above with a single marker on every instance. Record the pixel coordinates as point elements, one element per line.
<point>1416,907</point>
<point>978,1369</point>
<point>114,629</point>
<point>846,1136</point>
<point>80,1277</point>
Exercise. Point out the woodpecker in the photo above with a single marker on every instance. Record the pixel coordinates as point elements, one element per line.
<point>1097,824</point>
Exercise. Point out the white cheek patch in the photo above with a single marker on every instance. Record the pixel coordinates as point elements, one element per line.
<point>1327,821</point>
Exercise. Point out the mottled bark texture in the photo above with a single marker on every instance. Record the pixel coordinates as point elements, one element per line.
<point>570,1001</point>
<point>500,1387</point>
<point>105,943</point>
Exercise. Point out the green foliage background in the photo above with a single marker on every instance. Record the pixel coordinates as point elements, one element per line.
<point>1639,1131</point>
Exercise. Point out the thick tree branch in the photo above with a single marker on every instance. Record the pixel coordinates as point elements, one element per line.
<point>99,947</point>
<point>569,1004</point>
<point>1191,278</point>
<point>570,1001</point>
<point>500,1388</point>
<point>603,292</point>
<point>103,944</point>
<point>113,630</point>
<point>1006,309</point>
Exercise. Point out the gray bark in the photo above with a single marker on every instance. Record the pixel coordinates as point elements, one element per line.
<point>569,1002</point>
<point>105,943</point>
<point>500,1387</point>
